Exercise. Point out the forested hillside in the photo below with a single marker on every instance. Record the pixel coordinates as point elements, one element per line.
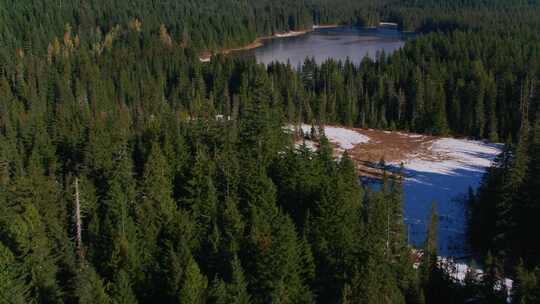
<point>185,187</point>
<point>504,216</point>
<point>180,207</point>
<point>197,24</point>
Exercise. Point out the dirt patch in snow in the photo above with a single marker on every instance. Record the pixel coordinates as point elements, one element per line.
<point>438,170</point>
<point>392,147</point>
<point>367,147</point>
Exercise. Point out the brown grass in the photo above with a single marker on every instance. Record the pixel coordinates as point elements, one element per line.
<point>389,146</point>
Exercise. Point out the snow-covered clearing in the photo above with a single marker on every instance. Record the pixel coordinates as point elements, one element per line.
<point>437,171</point>
<point>444,177</point>
<point>344,138</point>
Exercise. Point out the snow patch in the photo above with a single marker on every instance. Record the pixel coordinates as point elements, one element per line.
<point>310,144</point>
<point>459,272</point>
<point>443,176</point>
<point>344,138</point>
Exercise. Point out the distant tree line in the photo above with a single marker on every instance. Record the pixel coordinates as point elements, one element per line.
<point>206,24</point>
<point>465,83</point>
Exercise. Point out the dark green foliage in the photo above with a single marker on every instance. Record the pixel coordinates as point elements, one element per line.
<point>89,287</point>
<point>527,285</point>
<point>190,189</point>
<point>504,219</point>
<point>507,204</point>
<point>13,289</point>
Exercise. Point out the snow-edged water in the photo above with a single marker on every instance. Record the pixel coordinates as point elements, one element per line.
<point>444,178</point>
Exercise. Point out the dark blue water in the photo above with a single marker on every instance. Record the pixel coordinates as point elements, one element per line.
<point>338,43</point>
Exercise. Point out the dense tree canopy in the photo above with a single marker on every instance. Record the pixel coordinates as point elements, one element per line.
<point>191,191</point>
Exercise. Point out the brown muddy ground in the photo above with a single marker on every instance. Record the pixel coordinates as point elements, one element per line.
<point>390,147</point>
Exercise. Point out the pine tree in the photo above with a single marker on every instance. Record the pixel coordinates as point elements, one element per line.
<point>335,224</point>
<point>428,268</point>
<point>217,293</point>
<point>89,287</point>
<point>491,109</point>
<point>480,76</point>
<point>417,113</point>
<point>528,222</point>
<point>237,288</point>
<point>508,211</point>
<point>14,289</point>
<point>440,123</point>
<point>526,285</point>
<point>233,226</point>
<point>119,223</point>
<point>201,197</point>
<point>156,206</point>
<point>26,229</point>
<point>492,286</point>
<point>122,290</point>
<point>194,284</point>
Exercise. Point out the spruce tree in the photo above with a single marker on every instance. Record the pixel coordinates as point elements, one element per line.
<point>14,290</point>
<point>89,287</point>
<point>193,289</point>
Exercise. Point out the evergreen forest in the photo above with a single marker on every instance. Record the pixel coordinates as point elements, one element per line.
<point>132,172</point>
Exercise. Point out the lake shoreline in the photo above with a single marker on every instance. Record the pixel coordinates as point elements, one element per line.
<point>258,42</point>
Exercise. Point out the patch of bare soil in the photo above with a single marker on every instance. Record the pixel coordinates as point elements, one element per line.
<point>389,147</point>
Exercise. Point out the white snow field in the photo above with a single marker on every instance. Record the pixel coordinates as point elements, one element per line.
<point>444,177</point>
<point>344,138</point>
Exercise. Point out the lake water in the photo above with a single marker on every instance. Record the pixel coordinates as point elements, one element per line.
<point>337,43</point>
